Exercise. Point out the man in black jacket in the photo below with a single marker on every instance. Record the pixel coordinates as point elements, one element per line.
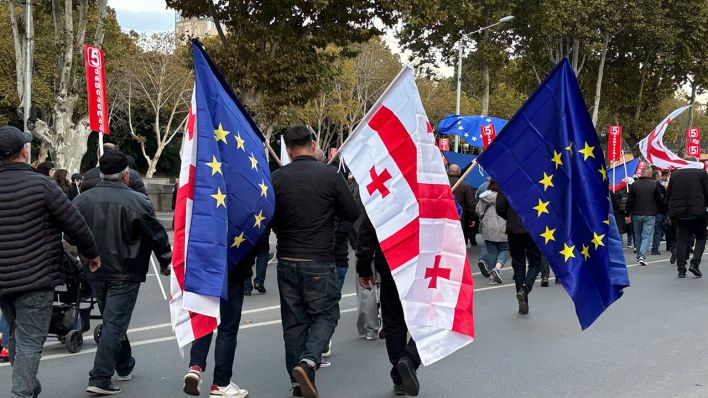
<point>127,232</point>
<point>402,351</point>
<point>662,209</point>
<point>93,177</point>
<point>643,203</point>
<point>308,196</point>
<point>34,213</point>
<point>465,197</point>
<point>687,196</point>
<point>521,248</point>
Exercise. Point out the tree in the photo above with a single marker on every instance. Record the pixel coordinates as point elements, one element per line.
<point>154,88</point>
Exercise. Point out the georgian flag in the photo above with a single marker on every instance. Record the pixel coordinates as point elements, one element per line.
<point>653,149</point>
<point>407,196</point>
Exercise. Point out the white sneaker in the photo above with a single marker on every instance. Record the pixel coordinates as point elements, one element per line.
<point>230,391</point>
<point>325,362</point>
<point>328,353</point>
<point>127,377</point>
<point>192,380</point>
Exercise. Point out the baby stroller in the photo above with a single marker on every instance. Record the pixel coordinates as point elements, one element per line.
<point>71,311</point>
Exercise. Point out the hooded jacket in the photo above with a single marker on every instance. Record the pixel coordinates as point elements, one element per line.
<point>493,226</point>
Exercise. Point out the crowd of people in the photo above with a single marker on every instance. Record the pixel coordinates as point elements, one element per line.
<point>105,216</point>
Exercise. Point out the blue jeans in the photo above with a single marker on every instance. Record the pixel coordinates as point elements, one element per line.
<point>643,232</point>
<point>309,308</point>
<point>4,331</point>
<point>225,349</point>
<point>497,253</point>
<point>341,274</point>
<point>658,232</point>
<point>28,315</point>
<point>116,300</point>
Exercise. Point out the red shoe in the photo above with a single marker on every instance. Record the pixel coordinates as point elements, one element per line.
<point>4,355</point>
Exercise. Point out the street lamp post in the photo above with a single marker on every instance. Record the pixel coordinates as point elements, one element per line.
<point>459,69</point>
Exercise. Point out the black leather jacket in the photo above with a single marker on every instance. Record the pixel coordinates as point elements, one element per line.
<point>126,231</point>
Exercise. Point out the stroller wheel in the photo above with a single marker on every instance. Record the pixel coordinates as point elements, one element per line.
<point>97,332</point>
<point>74,341</point>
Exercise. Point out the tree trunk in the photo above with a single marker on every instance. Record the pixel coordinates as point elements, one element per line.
<point>72,142</point>
<point>640,93</point>
<point>43,153</point>
<point>576,51</point>
<point>598,84</point>
<point>485,95</point>
<point>692,101</point>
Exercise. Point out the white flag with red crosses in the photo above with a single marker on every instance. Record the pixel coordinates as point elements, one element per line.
<point>407,196</point>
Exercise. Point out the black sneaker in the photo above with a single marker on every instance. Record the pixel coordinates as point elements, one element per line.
<point>681,275</point>
<point>544,281</point>
<point>672,259</point>
<point>248,292</point>
<point>409,378</point>
<point>642,262</point>
<point>523,297</point>
<point>296,392</point>
<point>483,268</point>
<point>695,271</point>
<point>259,286</point>
<point>398,389</point>
<point>110,389</point>
<point>305,377</point>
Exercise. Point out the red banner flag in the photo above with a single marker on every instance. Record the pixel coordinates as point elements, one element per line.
<point>488,134</point>
<point>614,143</point>
<point>444,144</point>
<point>96,88</point>
<point>693,142</point>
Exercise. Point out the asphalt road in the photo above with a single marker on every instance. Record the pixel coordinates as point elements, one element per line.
<point>651,343</point>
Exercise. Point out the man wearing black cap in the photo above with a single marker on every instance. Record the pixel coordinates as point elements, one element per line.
<point>92,177</point>
<point>308,196</point>
<point>126,231</point>
<point>34,213</point>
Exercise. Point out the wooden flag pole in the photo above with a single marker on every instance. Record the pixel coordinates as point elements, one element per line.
<point>273,154</point>
<point>462,177</point>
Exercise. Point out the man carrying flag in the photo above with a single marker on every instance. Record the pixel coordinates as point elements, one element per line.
<point>225,202</point>
<point>550,167</point>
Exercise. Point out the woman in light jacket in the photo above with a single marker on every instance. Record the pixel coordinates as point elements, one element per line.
<point>493,233</point>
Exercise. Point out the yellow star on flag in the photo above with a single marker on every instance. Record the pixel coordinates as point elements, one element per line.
<point>239,142</point>
<point>259,219</point>
<point>542,207</point>
<point>264,188</point>
<point>547,181</point>
<point>220,198</point>
<point>548,235</point>
<point>607,221</point>
<point>215,166</point>
<point>569,148</point>
<point>557,159</point>
<point>238,240</point>
<point>587,151</point>
<point>585,252</point>
<point>603,172</point>
<point>567,252</point>
<point>220,134</point>
<point>597,240</point>
<point>254,162</point>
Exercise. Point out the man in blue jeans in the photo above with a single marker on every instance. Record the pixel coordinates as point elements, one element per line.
<point>645,197</point>
<point>308,197</point>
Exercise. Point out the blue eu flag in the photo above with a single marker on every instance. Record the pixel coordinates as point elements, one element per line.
<point>233,196</point>
<point>469,128</point>
<point>549,164</point>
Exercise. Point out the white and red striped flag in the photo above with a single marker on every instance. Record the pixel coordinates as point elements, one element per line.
<point>653,149</point>
<point>188,326</point>
<point>407,196</point>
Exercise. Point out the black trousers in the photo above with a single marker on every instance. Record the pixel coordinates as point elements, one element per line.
<point>395,330</point>
<point>685,230</point>
<point>523,248</point>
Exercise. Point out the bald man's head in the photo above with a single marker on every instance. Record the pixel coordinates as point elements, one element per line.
<point>647,172</point>
<point>319,155</point>
<point>454,170</point>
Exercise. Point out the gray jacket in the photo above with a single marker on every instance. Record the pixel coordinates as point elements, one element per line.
<point>493,226</point>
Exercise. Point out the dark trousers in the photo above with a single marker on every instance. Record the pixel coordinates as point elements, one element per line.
<point>225,349</point>
<point>28,315</point>
<point>263,255</point>
<point>116,300</point>
<point>658,232</point>
<point>685,230</point>
<point>523,248</point>
<point>395,330</point>
<point>545,268</point>
<point>309,308</point>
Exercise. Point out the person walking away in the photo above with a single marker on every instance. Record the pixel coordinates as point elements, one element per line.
<point>75,186</point>
<point>643,203</point>
<point>687,196</point>
<point>464,195</point>
<point>402,351</point>
<point>660,216</point>
<point>225,349</point>
<point>309,195</point>
<point>61,177</point>
<point>521,248</point>
<point>127,232</point>
<point>493,233</point>
<point>263,256</point>
<point>93,177</point>
<point>33,215</point>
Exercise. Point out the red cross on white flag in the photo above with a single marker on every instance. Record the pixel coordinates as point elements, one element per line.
<point>407,196</point>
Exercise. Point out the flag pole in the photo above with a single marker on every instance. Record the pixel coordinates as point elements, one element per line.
<point>273,154</point>
<point>625,169</point>
<point>370,113</point>
<point>462,177</point>
<point>157,275</point>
